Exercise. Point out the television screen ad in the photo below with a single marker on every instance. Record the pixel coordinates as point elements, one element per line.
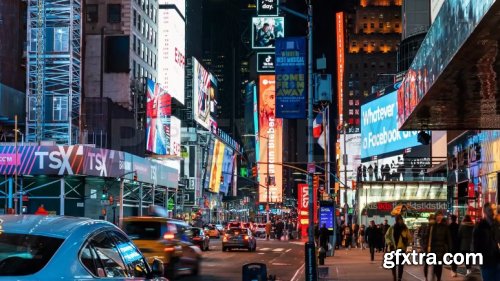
<point>267,7</point>
<point>216,167</point>
<point>265,30</point>
<point>175,136</point>
<point>204,96</point>
<point>270,142</point>
<point>227,169</point>
<point>158,112</point>
<point>379,128</point>
<point>171,51</point>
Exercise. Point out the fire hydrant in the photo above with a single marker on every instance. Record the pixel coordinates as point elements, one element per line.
<point>321,255</point>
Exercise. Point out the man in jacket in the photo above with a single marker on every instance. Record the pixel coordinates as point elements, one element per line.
<point>424,233</point>
<point>440,242</point>
<point>398,237</point>
<point>371,238</point>
<point>455,248</point>
<point>484,242</point>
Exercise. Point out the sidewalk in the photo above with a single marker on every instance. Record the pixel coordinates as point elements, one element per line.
<point>355,265</point>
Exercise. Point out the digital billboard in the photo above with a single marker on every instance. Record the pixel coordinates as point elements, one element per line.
<point>171,49</point>
<point>340,64</point>
<point>216,167</point>
<point>267,7</point>
<point>175,136</point>
<point>227,169</point>
<point>303,206</point>
<point>379,127</point>
<point>270,142</point>
<point>207,159</point>
<point>204,96</point>
<point>265,62</point>
<point>158,112</point>
<point>291,78</point>
<point>265,30</point>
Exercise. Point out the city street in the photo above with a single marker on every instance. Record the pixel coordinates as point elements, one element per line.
<point>283,259</point>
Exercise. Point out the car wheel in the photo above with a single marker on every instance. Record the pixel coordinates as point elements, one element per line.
<point>224,249</point>
<point>170,271</point>
<point>207,248</point>
<point>250,248</point>
<point>196,269</point>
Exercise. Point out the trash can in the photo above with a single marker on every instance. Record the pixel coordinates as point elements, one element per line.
<point>254,272</point>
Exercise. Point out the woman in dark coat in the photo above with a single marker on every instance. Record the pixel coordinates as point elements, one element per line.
<point>440,242</point>
<point>465,238</point>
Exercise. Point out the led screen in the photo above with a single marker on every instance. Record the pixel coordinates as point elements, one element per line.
<point>227,169</point>
<point>158,112</point>
<point>216,167</point>
<point>171,50</point>
<point>175,136</point>
<point>270,141</point>
<point>379,127</point>
<point>265,30</point>
<point>204,95</point>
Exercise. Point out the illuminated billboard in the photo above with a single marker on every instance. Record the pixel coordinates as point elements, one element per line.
<point>175,136</point>
<point>158,112</point>
<point>216,166</point>
<point>265,30</point>
<point>267,7</point>
<point>270,140</point>
<point>379,128</point>
<point>227,169</point>
<point>171,49</point>
<point>204,96</point>
<point>340,64</point>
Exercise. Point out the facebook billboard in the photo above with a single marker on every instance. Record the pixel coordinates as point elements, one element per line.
<point>379,128</point>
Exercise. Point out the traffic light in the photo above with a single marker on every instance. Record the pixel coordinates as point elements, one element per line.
<point>254,171</point>
<point>222,178</point>
<point>244,172</point>
<point>135,176</point>
<point>104,195</point>
<point>315,182</point>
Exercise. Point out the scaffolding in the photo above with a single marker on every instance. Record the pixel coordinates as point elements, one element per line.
<point>54,71</point>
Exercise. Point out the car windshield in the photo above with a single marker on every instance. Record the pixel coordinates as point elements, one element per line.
<point>196,231</point>
<point>22,254</point>
<point>143,230</point>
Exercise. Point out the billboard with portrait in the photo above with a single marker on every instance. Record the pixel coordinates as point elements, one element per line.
<point>171,48</point>
<point>265,30</point>
<point>158,112</point>
<point>379,127</point>
<point>204,96</point>
<point>270,142</point>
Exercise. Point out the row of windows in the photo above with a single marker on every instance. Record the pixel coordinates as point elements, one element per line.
<point>373,43</point>
<point>144,28</point>
<point>148,7</point>
<point>114,13</point>
<point>142,50</point>
<point>380,16</point>
<point>380,25</point>
<point>356,66</point>
<point>60,109</point>
<point>139,71</point>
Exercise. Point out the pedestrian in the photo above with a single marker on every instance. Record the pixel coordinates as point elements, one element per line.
<point>316,234</point>
<point>375,171</point>
<point>348,237</point>
<point>280,226</point>
<point>380,238</point>
<point>455,243</point>
<point>370,172</point>
<point>361,236</point>
<point>364,173</point>
<point>465,237</point>
<point>291,228</point>
<point>355,232</point>
<point>323,237</point>
<point>398,237</point>
<point>484,242</point>
<point>371,238</point>
<point>385,227</point>
<point>424,234</point>
<point>440,242</point>
<point>41,210</point>
<point>268,230</point>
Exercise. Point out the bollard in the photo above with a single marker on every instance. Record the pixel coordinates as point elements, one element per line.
<point>321,255</point>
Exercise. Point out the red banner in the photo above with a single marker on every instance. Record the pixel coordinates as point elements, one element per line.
<point>303,207</point>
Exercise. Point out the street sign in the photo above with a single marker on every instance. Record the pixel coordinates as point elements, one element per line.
<point>311,168</point>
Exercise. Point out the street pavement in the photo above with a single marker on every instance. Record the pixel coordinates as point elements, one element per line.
<point>283,259</point>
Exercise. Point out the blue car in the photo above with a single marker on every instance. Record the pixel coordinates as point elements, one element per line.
<point>34,247</point>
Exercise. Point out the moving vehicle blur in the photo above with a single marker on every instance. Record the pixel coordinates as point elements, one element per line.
<point>200,239</point>
<point>211,231</point>
<point>260,230</point>
<point>239,238</point>
<point>35,247</point>
<point>167,239</point>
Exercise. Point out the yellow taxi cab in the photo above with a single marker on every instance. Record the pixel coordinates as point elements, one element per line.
<point>211,231</point>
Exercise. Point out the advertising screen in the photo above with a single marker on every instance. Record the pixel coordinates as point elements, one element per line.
<point>265,30</point>
<point>267,7</point>
<point>158,112</point>
<point>227,169</point>
<point>175,136</point>
<point>204,95</point>
<point>270,141</point>
<point>171,49</point>
<point>303,206</point>
<point>265,62</point>
<point>379,128</point>
<point>216,167</point>
<point>326,216</point>
<point>340,65</point>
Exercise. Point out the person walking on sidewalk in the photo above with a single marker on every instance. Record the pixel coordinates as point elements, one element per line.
<point>348,237</point>
<point>371,238</point>
<point>268,230</point>
<point>455,243</point>
<point>440,242</point>
<point>355,232</point>
<point>361,236</point>
<point>484,242</point>
<point>398,237</point>
<point>385,227</point>
<point>465,237</point>
<point>323,237</point>
<point>424,233</point>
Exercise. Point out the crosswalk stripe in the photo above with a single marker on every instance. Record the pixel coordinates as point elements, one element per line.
<point>264,249</point>
<point>278,250</point>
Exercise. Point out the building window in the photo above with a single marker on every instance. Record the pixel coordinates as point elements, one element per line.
<point>373,44</point>
<point>114,13</point>
<point>397,25</point>
<point>354,43</point>
<point>61,39</point>
<point>135,18</point>
<point>356,111</point>
<point>133,42</point>
<point>381,16</point>
<point>139,21</point>
<point>60,108</point>
<point>92,13</point>
<point>32,109</point>
<point>388,24</point>
<point>356,102</point>
<point>351,102</point>
<point>365,25</point>
<point>380,25</point>
<point>351,112</point>
<point>372,25</point>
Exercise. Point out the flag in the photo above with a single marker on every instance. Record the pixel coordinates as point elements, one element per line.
<point>321,140</point>
<point>318,125</point>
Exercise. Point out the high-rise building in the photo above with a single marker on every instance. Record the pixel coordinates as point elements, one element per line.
<point>54,71</point>
<point>374,32</point>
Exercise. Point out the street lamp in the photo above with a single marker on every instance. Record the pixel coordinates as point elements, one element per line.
<point>268,178</point>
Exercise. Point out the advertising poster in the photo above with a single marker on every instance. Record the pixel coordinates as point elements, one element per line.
<point>216,167</point>
<point>175,136</point>
<point>208,157</point>
<point>340,63</point>
<point>227,169</point>
<point>291,78</point>
<point>266,62</point>
<point>303,207</point>
<point>158,112</point>
<point>266,30</point>
<point>267,7</point>
<point>379,128</point>
<point>326,216</point>
<point>270,142</point>
<point>204,96</point>
<point>171,48</point>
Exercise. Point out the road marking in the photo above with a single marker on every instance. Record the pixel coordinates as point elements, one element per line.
<point>261,253</point>
<point>279,263</point>
<point>264,249</point>
<point>288,250</point>
<point>278,250</point>
<point>296,276</point>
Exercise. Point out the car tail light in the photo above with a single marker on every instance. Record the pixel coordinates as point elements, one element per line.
<point>168,236</point>
<point>169,249</point>
<point>224,239</point>
<point>245,237</point>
